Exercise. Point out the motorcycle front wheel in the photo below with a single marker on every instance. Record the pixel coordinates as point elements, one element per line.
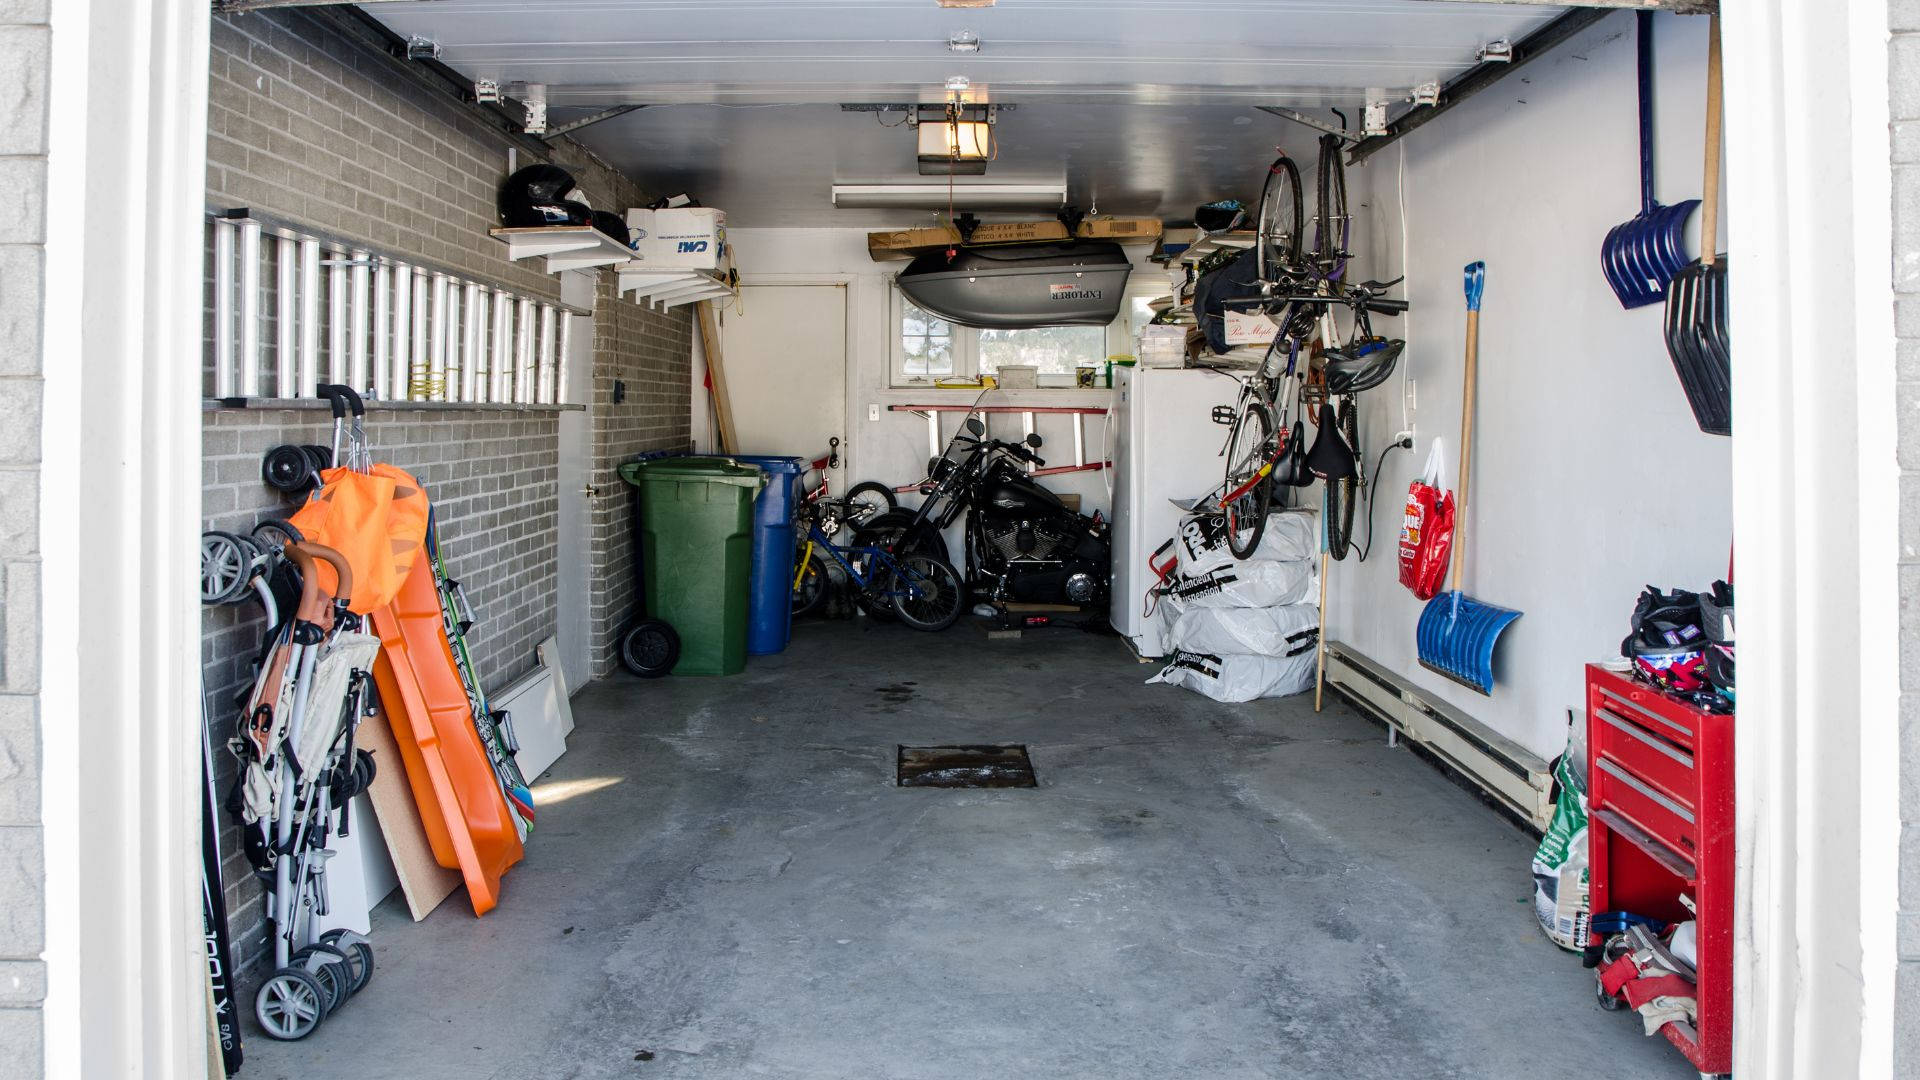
<point>927,592</point>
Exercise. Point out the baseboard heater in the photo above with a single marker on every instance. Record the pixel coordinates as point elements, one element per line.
<point>1509,773</point>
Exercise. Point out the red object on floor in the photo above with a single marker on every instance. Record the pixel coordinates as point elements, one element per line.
<point>1660,823</point>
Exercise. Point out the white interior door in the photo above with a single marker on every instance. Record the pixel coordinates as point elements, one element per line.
<point>785,351</point>
<point>574,627</point>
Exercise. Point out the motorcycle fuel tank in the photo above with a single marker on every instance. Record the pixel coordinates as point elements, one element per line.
<point>1020,285</point>
<point>1016,497</point>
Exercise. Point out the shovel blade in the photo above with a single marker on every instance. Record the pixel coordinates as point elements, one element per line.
<point>1456,635</point>
<point>1641,255</point>
<point>1696,332</point>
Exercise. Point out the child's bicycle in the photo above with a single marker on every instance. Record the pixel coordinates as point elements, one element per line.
<point>865,501</point>
<point>924,590</point>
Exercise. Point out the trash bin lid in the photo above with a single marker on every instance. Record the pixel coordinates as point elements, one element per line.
<point>776,463</point>
<point>712,470</point>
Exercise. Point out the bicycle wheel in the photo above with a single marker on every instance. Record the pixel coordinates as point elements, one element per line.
<point>1343,494</point>
<point>1331,221</point>
<point>1249,449</point>
<point>927,594</point>
<point>809,586</point>
<point>1277,234</point>
<point>868,500</point>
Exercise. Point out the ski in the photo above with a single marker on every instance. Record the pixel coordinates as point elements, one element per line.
<point>213,911</point>
<point>496,729</point>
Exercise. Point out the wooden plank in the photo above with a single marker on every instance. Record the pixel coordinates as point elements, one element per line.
<point>716,374</point>
<point>423,881</point>
<point>906,243</point>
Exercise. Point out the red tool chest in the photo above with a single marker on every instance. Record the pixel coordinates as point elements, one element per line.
<point>1660,823</point>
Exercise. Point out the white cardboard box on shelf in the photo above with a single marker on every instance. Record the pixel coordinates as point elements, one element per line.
<point>1249,328</point>
<point>1018,376</point>
<point>688,237</point>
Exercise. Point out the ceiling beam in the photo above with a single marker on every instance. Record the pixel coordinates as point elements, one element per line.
<point>1481,76</point>
<point>1678,7</point>
<point>556,130</point>
<point>229,7</point>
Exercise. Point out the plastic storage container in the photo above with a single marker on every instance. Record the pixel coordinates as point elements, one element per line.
<point>770,587</point>
<point>696,537</point>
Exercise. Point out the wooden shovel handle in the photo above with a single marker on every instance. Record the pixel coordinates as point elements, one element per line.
<point>1710,187</point>
<point>1468,382</point>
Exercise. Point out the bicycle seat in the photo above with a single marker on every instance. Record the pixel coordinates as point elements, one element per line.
<point>1365,367</point>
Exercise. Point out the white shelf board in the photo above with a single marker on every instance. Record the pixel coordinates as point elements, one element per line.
<point>669,288</point>
<point>565,247</point>
<point>1205,243</point>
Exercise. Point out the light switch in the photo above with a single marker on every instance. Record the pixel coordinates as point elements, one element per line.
<point>873,411</point>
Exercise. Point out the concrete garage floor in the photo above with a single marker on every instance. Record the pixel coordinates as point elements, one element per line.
<point>726,883</point>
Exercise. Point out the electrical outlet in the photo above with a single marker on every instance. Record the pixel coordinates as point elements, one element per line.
<point>873,412</point>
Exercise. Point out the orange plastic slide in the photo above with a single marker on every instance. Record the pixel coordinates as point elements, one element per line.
<point>467,819</point>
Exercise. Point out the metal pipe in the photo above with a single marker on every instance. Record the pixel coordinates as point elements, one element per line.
<point>501,369</point>
<point>249,308</point>
<point>560,365</point>
<point>286,370</point>
<point>542,392</point>
<point>470,317</point>
<point>309,317</point>
<point>523,354</point>
<point>382,328</point>
<point>357,324</point>
<point>336,317</point>
<point>223,374</point>
<point>437,350</point>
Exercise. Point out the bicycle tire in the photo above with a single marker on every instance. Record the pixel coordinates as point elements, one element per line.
<point>1344,494</point>
<point>810,586</point>
<point>1249,448</point>
<point>1330,211</point>
<point>926,593</point>
<point>868,500</point>
<point>1277,231</point>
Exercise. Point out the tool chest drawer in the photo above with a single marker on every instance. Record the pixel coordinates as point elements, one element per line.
<point>1660,826</point>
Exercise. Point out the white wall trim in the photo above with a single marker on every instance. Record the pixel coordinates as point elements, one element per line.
<point>120,489</point>
<point>1816,543</point>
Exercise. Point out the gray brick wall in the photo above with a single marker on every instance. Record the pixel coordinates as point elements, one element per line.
<point>1904,101</point>
<point>309,126</point>
<point>651,354</point>
<point>491,476</point>
<point>24,55</point>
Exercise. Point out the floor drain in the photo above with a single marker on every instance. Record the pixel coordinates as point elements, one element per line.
<point>964,767</point>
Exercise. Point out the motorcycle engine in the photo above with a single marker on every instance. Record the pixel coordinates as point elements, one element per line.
<point>1016,540</point>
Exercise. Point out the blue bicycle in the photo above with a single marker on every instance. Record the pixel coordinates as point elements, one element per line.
<point>923,589</point>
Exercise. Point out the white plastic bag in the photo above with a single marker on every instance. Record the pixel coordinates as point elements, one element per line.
<point>1560,880</point>
<point>1233,677</point>
<point>1273,631</point>
<point>1256,583</point>
<point>1200,542</point>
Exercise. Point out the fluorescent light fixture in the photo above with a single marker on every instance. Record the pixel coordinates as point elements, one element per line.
<point>934,196</point>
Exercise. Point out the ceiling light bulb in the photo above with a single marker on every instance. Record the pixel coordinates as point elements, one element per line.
<point>964,41</point>
<point>958,83</point>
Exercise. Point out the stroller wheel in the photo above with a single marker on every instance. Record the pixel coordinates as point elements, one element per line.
<point>289,469</point>
<point>226,564</point>
<point>649,648</point>
<point>359,959</point>
<point>331,968</point>
<point>290,1004</point>
<point>273,534</point>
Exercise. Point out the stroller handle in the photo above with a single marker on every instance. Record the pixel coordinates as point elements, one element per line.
<point>343,398</point>
<point>313,601</point>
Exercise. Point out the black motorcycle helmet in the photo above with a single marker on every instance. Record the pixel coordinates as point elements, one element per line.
<point>541,195</point>
<point>614,225</point>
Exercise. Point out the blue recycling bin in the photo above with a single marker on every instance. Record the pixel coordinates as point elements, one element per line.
<point>770,586</point>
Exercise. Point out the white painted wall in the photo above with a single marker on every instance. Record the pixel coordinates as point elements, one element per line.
<point>1591,479</point>
<point>893,449</point>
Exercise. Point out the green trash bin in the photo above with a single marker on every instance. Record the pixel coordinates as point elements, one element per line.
<point>696,539</point>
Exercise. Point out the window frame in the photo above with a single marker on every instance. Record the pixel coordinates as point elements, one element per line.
<point>966,342</point>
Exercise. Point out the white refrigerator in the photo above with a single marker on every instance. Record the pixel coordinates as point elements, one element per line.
<point>1165,447</point>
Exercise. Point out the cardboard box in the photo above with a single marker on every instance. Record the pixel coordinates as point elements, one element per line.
<point>1249,328</point>
<point>906,243</point>
<point>691,237</point>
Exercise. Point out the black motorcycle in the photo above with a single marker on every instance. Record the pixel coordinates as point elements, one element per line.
<point>1022,542</point>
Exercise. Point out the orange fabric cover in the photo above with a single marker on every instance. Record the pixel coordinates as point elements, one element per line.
<point>377,520</point>
<point>466,817</point>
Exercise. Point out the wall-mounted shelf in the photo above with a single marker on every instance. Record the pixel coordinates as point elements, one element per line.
<point>669,288</point>
<point>565,247</point>
<point>1205,244</point>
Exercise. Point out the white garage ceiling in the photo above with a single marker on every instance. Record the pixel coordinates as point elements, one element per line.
<point>1144,104</point>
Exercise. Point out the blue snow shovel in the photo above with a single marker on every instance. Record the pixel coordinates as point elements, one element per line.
<point>1641,255</point>
<point>1456,632</point>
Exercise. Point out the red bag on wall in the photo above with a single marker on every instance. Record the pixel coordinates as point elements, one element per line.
<point>1426,531</point>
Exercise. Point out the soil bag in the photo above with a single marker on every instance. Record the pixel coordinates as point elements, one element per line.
<point>1200,544</point>
<point>1239,677</point>
<point>1560,864</point>
<point>1273,631</point>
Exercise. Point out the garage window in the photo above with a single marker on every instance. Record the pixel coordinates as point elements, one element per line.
<point>928,348</point>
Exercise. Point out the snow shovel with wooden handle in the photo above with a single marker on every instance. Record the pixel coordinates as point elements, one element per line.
<point>1456,633</point>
